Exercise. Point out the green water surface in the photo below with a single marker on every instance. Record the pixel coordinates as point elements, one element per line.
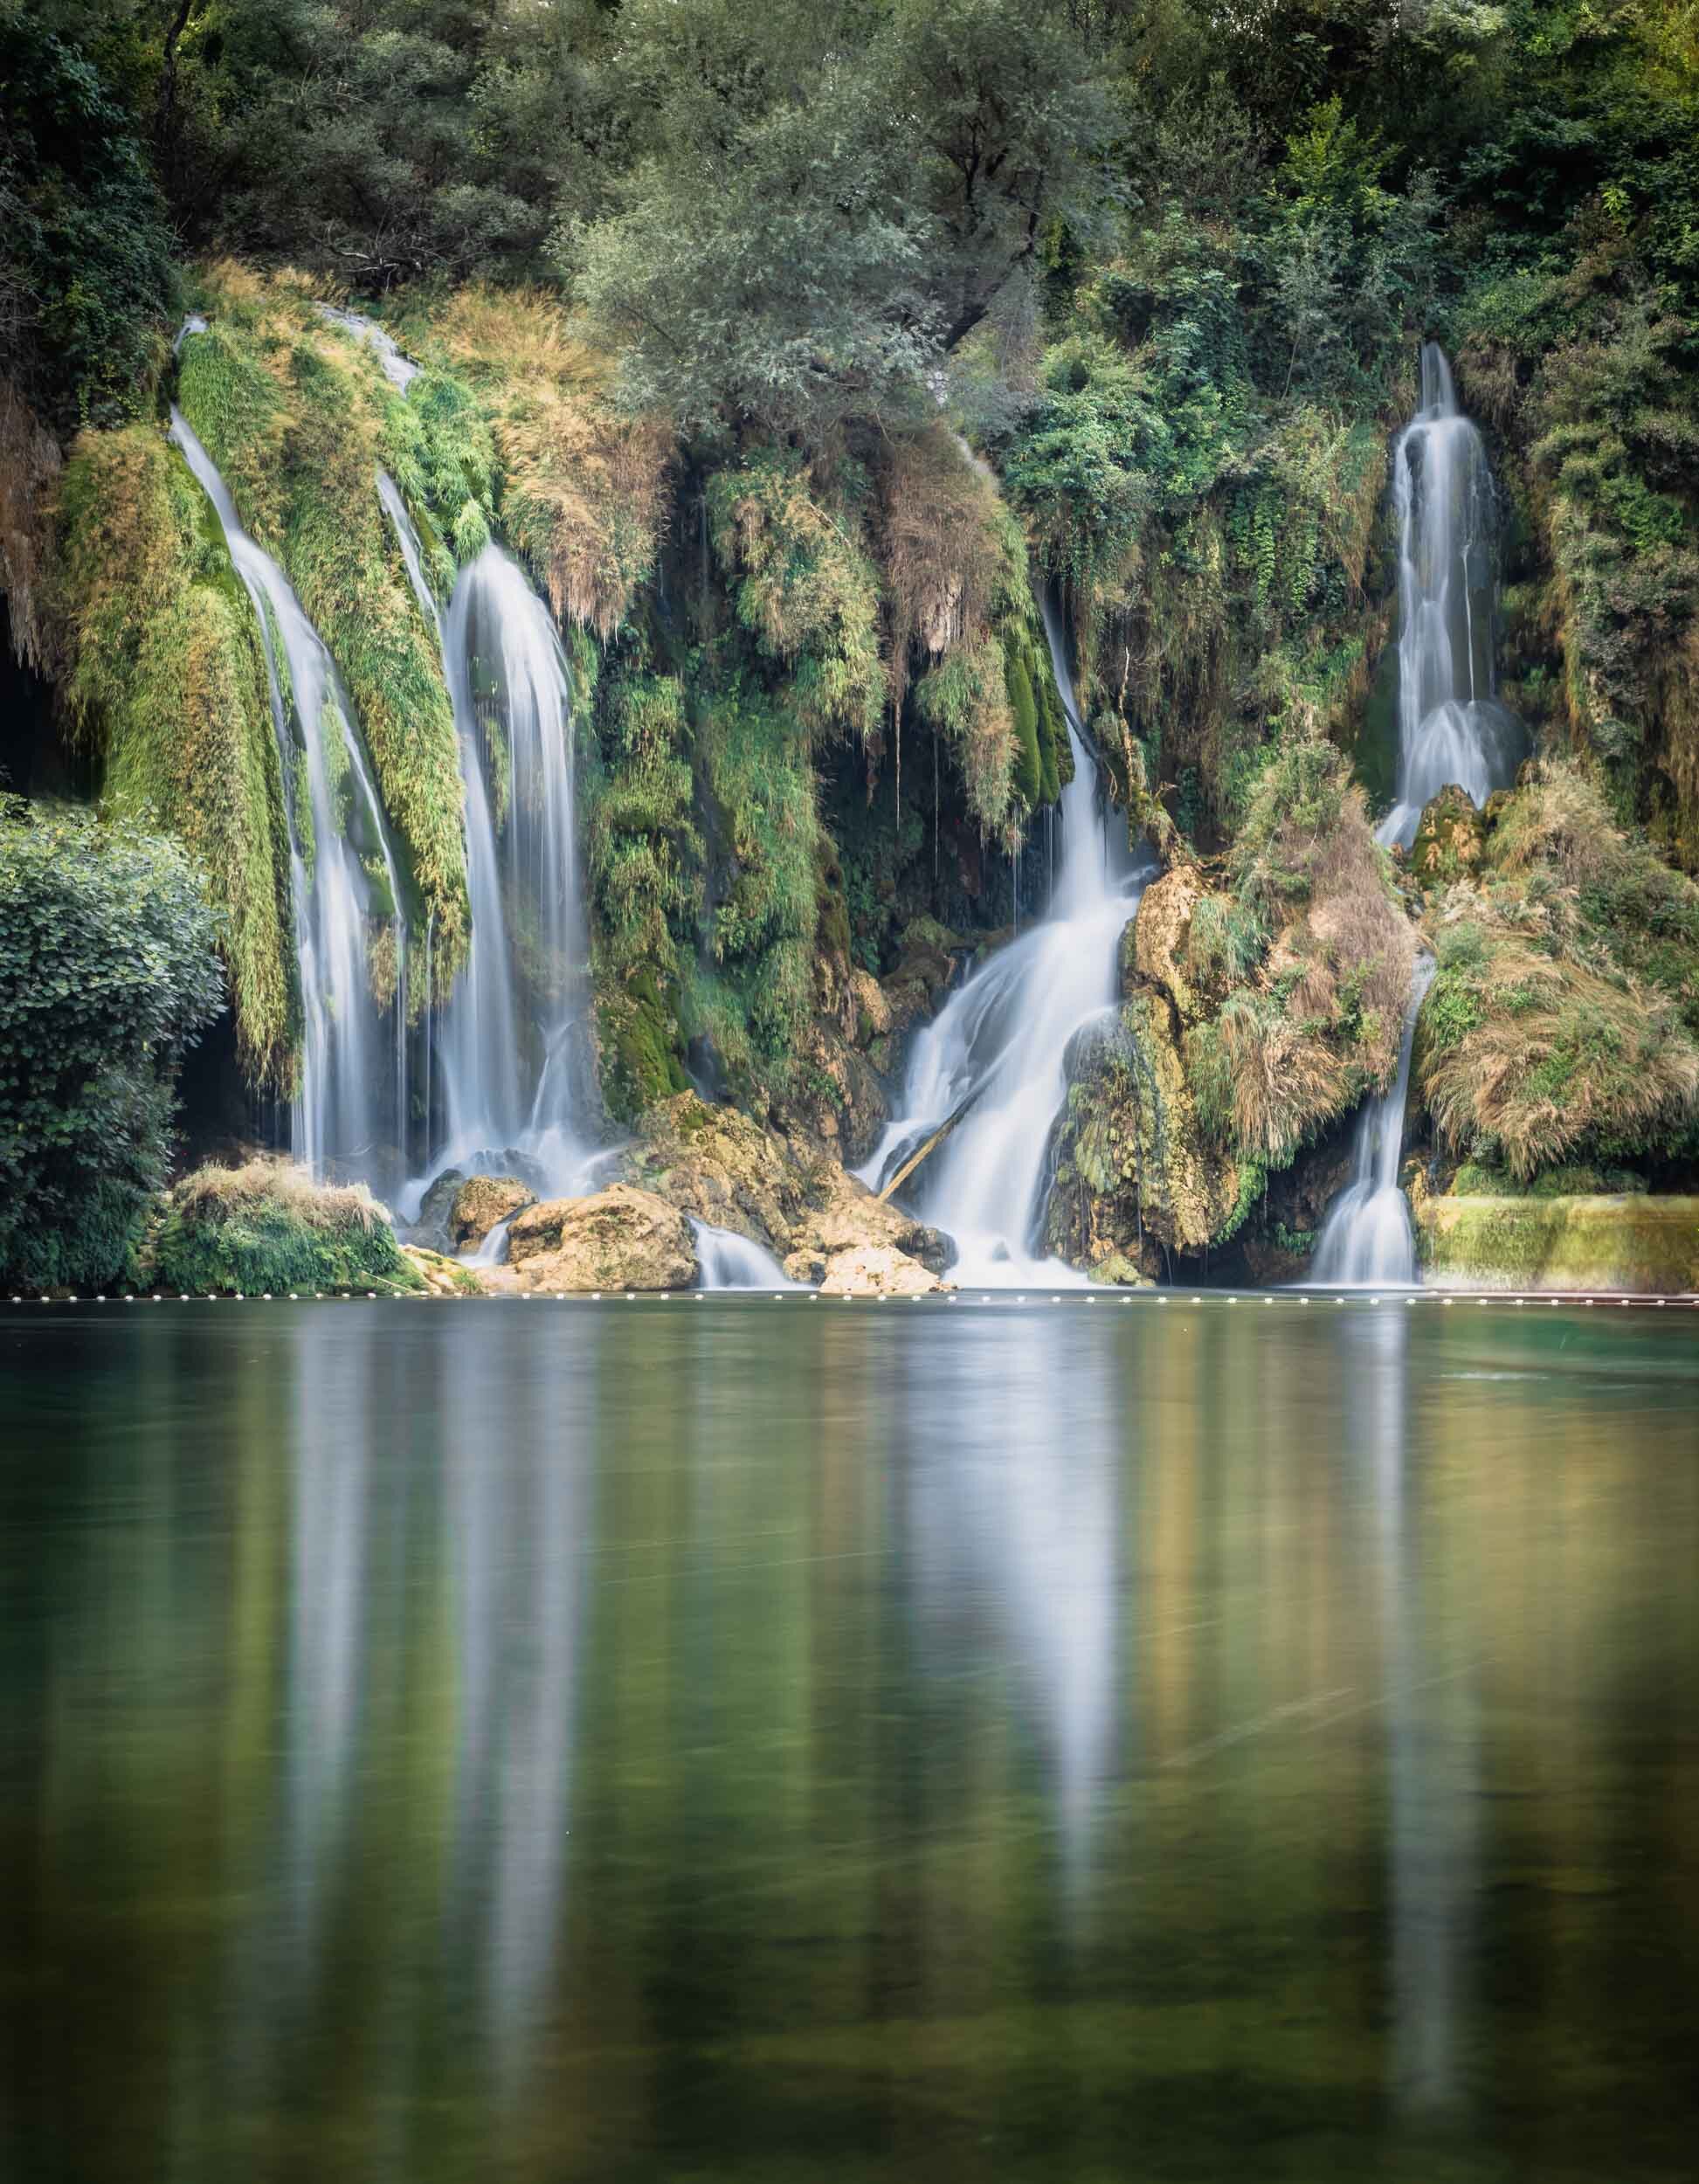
<point>773,1740</point>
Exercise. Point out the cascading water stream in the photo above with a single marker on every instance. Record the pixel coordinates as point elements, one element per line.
<point>731,1261</point>
<point>1366,1241</point>
<point>997,1051</point>
<point>1451,725</point>
<point>350,1115</point>
<point>513,1067</point>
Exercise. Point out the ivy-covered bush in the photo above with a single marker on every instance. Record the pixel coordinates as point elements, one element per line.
<point>107,971</point>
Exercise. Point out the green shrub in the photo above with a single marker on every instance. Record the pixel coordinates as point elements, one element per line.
<point>106,971</point>
<point>269,1228</point>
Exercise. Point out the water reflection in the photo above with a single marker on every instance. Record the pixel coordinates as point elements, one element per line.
<point>1429,1647</point>
<point>765,1738</point>
<point>1018,1523</point>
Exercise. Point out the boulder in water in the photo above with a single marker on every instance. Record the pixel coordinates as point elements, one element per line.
<point>876,1270</point>
<point>481,1203</point>
<point>620,1239</point>
<point>268,1227</point>
<point>720,1165</point>
<point>430,1230</point>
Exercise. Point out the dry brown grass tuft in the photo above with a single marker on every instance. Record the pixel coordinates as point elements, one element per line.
<point>1563,1059</point>
<point>223,1195</point>
<point>587,484</point>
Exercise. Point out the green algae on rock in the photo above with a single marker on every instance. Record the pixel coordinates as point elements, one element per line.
<point>1638,1243</point>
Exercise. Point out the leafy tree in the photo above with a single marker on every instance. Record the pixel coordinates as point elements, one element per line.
<point>107,972</point>
<point>85,273</point>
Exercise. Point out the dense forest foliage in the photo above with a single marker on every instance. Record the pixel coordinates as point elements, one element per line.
<point>799,350</point>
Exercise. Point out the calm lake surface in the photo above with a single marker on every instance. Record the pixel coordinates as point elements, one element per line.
<point>775,1740</point>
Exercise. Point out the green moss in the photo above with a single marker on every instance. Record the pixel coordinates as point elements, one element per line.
<point>805,585</point>
<point>165,677</point>
<point>642,1047</point>
<point>1028,774</point>
<point>266,1228</point>
<point>1638,1243</point>
<point>297,420</point>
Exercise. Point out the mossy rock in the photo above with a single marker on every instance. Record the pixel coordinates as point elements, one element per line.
<point>266,1228</point>
<point>1637,1243</point>
<point>1451,838</point>
<point>642,1047</point>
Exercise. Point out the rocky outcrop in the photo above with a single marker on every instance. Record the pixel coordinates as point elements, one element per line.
<point>620,1239</point>
<point>1154,950</point>
<point>1135,1181</point>
<point>844,1221</point>
<point>720,1165</point>
<point>1641,1244</point>
<point>482,1202</point>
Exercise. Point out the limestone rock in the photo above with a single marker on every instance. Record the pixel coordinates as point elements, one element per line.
<point>845,1217</point>
<point>620,1239</point>
<point>480,1203</point>
<point>876,1270</point>
<point>720,1165</point>
<point>1640,1244</point>
<point>798,1201</point>
<point>1161,928</point>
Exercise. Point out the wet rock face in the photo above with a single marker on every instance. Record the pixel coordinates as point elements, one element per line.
<point>620,1239</point>
<point>1451,837</point>
<point>1134,1180</point>
<point>431,1230</point>
<point>480,1203</point>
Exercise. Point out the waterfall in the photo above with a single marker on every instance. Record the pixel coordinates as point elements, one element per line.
<point>1366,1239</point>
<point>1450,726</point>
<point>515,1074</point>
<point>349,1117</point>
<point>996,1052</point>
<point>399,371</point>
<point>731,1261</point>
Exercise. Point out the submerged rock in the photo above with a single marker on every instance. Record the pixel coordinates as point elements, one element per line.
<point>620,1239</point>
<point>481,1203</point>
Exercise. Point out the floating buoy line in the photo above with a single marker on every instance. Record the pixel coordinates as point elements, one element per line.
<point>812,1297</point>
